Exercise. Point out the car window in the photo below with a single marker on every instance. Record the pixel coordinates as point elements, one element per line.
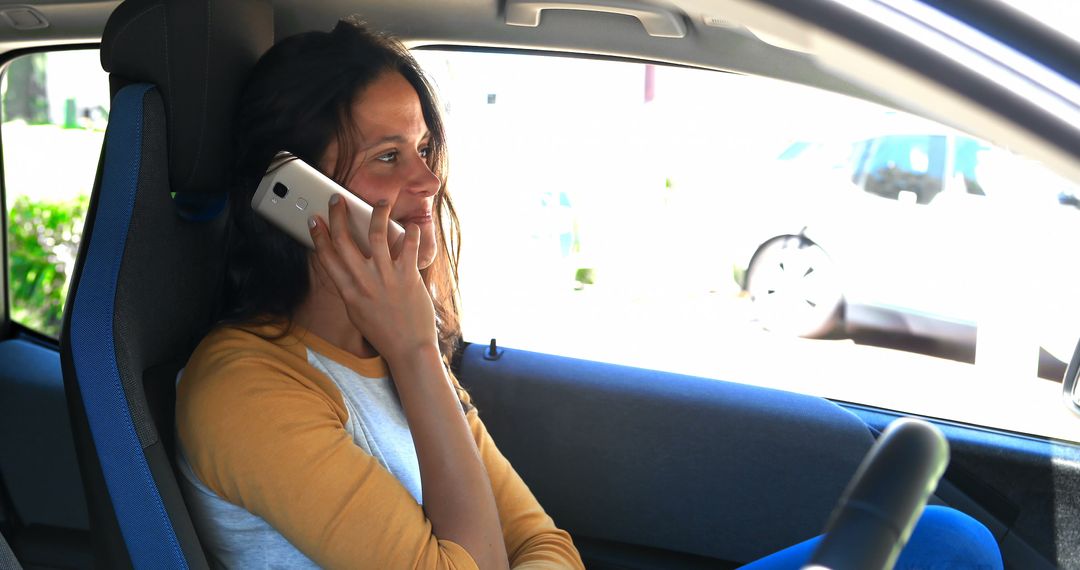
<point>1010,179</point>
<point>55,109</point>
<point>719,225</point>
<point>844,157</point>
<point>967,157</point>
<point>910,167</point>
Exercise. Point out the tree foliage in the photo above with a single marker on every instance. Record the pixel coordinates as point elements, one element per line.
<point>26,97</point>
<point>43,239</point>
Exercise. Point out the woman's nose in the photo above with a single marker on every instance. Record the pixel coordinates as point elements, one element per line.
<point>423,180</point>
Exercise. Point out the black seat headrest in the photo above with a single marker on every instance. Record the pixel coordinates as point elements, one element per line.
<point>198,53</point>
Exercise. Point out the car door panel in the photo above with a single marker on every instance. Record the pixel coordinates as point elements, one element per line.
<point>641,465</point>
<point>647,459</point>
<point>48,525</point>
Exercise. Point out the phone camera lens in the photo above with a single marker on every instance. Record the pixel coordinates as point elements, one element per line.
<point>281,190</point>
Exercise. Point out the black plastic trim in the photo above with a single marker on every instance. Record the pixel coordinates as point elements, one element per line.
<point>1019,30</point>
<point>860,29</point>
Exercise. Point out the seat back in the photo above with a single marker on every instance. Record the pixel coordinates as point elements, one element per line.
<point>7,557</point>
<point>151,261</point>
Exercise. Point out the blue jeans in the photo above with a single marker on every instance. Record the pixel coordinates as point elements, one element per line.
<point>944,539</point>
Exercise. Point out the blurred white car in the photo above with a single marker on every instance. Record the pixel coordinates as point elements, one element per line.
<point>913,229</point>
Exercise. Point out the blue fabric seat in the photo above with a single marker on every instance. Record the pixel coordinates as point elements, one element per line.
<point>151,262</point>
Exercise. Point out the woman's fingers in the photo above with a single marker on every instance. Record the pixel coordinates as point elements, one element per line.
<point>328,256</point>
<point>410,246</point>
<point>397,247</point>
<point>339,223</point>
<point>341,251</point>
<point>380,220</point>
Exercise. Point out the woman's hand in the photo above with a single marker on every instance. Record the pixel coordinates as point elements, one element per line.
<point>389,304</point>
<point>384,295</point>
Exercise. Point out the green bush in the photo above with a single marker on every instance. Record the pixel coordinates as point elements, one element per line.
<point>739,274</point>
<point>43,239</point>
<point>585,276</point>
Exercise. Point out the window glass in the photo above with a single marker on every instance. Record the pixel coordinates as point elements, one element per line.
<point>55,107</point>
<point>906,167</point>
<point>843,157</point>
<point>968,152</point>
<point>733,227</point>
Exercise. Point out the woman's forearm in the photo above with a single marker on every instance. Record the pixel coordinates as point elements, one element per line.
<point>457,492</point>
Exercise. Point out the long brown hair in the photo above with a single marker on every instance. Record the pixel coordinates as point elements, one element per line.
<point>298,98</point>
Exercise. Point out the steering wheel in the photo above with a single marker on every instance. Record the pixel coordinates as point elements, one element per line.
<point>879,509</point>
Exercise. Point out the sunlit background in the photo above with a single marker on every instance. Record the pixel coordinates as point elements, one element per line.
<point>611,210</point>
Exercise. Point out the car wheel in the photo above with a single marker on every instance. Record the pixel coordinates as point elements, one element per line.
<point>794,287</point>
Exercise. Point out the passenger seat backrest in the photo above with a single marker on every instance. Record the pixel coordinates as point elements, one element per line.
<point>7,557</point>
<point>151,261</point>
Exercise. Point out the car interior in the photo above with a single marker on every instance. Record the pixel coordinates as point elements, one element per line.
<point>644,468</point>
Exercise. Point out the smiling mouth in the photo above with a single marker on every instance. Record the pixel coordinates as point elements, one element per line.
<point>418,220</point>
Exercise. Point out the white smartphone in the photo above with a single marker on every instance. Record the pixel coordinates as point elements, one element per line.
<point>292,191</point>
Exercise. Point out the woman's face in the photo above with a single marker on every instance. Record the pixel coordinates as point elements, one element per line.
<point>391,160</point>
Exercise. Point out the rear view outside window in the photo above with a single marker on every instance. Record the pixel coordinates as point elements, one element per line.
<point>754,231</point>
<point>55,109</point>
<point>906,167</point>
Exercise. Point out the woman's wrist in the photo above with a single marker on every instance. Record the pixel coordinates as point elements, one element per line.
<point>458,499</point>
<point>415,362</point>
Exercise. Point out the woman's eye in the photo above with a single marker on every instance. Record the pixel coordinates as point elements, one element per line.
<point>425,152</point>
<point>387,156</point>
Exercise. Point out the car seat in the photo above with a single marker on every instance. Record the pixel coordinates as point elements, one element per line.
<point>151,261</point>
<point>7,557</point>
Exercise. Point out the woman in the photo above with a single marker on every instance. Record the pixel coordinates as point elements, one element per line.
<point>323,426</point>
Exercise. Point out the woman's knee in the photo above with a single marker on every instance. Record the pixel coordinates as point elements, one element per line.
<point>948,538</point>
